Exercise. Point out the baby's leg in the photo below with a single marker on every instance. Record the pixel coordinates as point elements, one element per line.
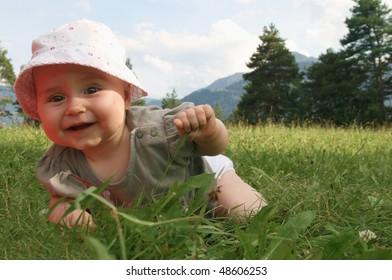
<point>237,198</point>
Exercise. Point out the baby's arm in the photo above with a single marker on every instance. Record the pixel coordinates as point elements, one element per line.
<point>56,215</point>
<point>208,132</point>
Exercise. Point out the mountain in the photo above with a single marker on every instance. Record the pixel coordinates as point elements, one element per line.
<point>225,82</point>
<point>226,92</point>
<point>304,61</point>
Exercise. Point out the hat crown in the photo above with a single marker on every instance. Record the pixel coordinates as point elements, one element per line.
<point>80,34</point>
<point>82,42</point>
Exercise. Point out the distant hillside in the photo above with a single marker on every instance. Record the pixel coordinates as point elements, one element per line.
<point>227,91</point>
<point>303,61</point>
<point>223,83</point>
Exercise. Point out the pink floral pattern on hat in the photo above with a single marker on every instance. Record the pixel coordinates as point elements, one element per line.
<point>83,42</point>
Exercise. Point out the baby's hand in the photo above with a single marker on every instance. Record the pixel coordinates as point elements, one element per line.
<point>78,218</point>
<point>198,121</point>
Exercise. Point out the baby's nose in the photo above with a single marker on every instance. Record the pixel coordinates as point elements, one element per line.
<point>75,106</point>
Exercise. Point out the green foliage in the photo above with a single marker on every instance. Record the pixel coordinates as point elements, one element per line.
<point>128,63</point>
<point>350,85</point>
<point>7,76</point>
<point>6,70</point>
<point>324,186</point>
<point>139,102</point>
<point>3,102</point>
<point>171,100</point>
<point>218,111</point>
<point>331,90</point>
<point>272,88</point>
<point>369,45</point>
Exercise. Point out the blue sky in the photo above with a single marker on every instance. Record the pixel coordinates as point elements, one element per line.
<point>182,44</point>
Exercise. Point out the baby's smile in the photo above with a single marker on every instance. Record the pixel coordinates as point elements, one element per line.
<point>79,126</point>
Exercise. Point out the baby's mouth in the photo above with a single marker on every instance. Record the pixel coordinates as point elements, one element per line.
<point>78,127</point>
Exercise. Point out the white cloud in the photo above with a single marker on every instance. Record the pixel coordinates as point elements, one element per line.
<point>157,63</point>
<point>186,61</point>
<point>293,46</point>
<point>327,21</point>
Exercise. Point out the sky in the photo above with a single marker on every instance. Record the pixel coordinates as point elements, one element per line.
<point>183,45</point>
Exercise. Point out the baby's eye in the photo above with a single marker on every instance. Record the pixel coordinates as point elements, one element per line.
<point>56,98</point>
<point>91,90</point>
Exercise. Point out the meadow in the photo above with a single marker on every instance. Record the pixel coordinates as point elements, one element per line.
<point>329,192</point>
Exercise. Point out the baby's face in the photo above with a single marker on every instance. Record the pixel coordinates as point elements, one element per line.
<point>80,107</point>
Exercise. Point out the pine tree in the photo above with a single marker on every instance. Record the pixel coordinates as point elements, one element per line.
<point>369,45</point>
<point>331,90</point>
<point>7,74</point>
<point>139,102</point>
<point>128,63</point>
<point>218,111</point>
<point>171,100</point>
<point>271,90</point>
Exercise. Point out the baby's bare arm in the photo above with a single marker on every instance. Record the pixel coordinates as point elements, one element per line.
<point>208,132</point>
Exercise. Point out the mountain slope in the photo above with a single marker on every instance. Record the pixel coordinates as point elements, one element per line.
<point>227,91</point>
<point>303,61</point>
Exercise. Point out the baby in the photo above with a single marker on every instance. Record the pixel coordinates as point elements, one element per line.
<point>78,85</point>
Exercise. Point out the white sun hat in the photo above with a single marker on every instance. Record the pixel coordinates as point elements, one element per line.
<point>83,42</point>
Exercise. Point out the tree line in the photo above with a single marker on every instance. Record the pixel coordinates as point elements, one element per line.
<point>351,85</point>
<point>7,76</point>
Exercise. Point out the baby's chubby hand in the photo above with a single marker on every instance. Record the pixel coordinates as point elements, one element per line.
<point>201,126</point>
<point>76,217</point>
<point>198,121</point>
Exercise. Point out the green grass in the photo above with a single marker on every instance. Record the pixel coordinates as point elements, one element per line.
<point>323,185</point>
